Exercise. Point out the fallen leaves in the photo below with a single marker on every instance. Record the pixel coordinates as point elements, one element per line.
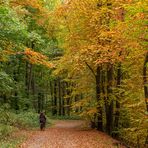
<point>68,134</point>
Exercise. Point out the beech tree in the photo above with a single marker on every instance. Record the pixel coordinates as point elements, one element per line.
<point>78,58</point>
<point>100,50</point>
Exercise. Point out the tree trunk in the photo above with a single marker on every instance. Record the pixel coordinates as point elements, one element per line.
<point>145,81</point>
<point>40,102</point>
<point>27,80</point>
<point>15,76</point>
<point>52,97</point>
<point>117,113</point>
<point>109,101</point>
<point>68,98</point>
<point>145,87</point>
<point>55,99</point>
<point>60,100</point>
<point>33,86</point>
<point>63,100</point>
<point>98,91</point>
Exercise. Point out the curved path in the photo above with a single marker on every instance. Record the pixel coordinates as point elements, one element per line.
<point>69,134</point>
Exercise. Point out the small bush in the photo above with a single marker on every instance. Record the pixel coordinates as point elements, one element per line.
<point>27,120</point>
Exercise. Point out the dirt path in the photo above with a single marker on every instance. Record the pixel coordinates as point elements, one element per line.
<point>69,134</point>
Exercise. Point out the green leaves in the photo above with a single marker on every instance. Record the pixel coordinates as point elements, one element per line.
<point>10,26</point>
<point>6,82</point>
<point>35,38</point>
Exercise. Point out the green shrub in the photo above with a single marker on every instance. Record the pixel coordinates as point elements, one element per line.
<point>6,130</point>
<point>28,119</point>
<point>11,122</point>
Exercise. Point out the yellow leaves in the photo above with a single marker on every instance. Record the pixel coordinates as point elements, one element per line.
<point>61,10</point>
<point>141,15</point>
<point>92,111</point>
<point>90,37</point>
<point>89,113</point>
<point>9,52</point>
<point>5,53</point>
<point>37,58</point>
<point>33,3</point>
<point>3,58</point>
<point>40,13</point>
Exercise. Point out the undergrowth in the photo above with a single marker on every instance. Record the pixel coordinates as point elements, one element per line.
<point>12,122</point>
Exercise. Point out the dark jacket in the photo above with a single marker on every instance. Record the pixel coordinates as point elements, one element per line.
<point>42,118</point>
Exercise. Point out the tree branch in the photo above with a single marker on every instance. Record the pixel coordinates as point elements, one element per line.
<point>90,68</point>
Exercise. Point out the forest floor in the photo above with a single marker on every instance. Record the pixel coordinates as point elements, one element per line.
<point>68,134</point>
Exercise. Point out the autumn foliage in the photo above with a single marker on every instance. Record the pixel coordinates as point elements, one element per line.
<point>78,58</point>
<point>37,58</point>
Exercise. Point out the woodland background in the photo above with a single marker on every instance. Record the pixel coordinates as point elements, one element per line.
<point>74,58</point>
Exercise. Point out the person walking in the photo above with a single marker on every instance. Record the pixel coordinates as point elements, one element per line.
<point>42,119</point>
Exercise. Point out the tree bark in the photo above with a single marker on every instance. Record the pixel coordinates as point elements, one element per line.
<point>109,101</point>
<point>145,88</point>
<point>52,97</point>
<point>145,81</point>
<point>63,99</point>
<point>98,91</point>
<point>55,99</point>
<point>68,98</point>
<point>60,100</point>
<point>117,113</point>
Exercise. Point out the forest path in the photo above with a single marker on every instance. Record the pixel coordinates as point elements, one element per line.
<point>69,134</point>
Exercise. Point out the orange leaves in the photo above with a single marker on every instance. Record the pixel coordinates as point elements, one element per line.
<point>29,52</point>
<point>37,58</point>
<point>29,55</point>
